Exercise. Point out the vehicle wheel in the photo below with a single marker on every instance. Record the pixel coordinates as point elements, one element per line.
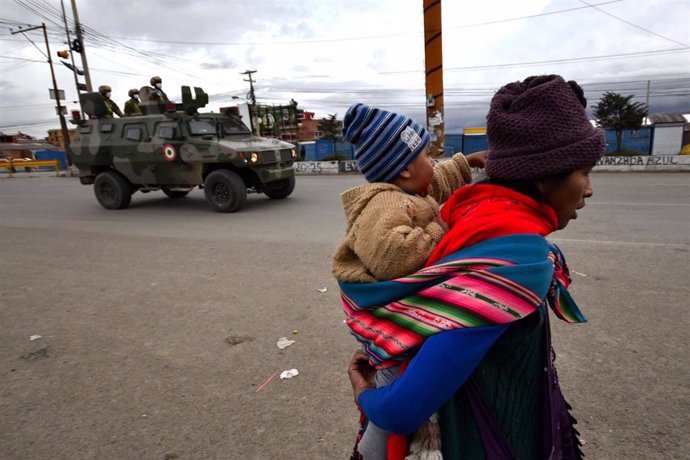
<point>225,191</point>
<point>175,193</point>
<point>112,190</point>
<point>283,191</point>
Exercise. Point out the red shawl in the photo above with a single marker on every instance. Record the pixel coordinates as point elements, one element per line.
<point>476,213</point>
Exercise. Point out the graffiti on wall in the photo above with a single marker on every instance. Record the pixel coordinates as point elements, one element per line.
<point>638,161</point>
<point>348,166</point>
<point>315,167</point>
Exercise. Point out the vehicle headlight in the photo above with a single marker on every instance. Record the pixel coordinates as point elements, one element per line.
<point>293,152</point>
<point>255,157</point>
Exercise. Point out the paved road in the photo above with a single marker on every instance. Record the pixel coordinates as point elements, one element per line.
<point>159,323</point>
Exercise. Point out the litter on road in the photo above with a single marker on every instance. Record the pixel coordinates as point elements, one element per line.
<point>289,374</point>
<point>284,342</point>
<point>266,382</point>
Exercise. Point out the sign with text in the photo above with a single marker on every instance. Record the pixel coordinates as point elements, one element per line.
<point>61,94</point>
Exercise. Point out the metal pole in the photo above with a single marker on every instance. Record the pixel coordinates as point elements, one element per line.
<point>71,54</point>
<point>433,62</point>
<point>87,74</point>
<point>63,123</point>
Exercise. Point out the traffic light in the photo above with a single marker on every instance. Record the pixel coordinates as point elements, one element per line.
<point>64,54</point>
<point>76,46</point>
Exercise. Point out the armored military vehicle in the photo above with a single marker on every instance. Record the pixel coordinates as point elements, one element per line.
<point>173,148</point>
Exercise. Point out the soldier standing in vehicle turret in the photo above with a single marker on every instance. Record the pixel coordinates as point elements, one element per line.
<point>157,94</point>
<point>132,105</point>
<point>110,105</point>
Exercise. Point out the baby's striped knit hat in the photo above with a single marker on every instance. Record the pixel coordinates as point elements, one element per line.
<point>385,142</point>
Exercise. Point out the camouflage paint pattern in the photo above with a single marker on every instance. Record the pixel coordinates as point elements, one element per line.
<point>196,144</point>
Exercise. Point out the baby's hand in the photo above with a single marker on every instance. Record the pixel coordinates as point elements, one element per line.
<point>477,159</point>
<point>361,374</point>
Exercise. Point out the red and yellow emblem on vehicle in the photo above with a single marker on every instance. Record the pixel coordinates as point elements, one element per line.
<point>169,152</point>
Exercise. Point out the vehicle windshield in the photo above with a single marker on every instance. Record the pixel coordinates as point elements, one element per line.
<point>201,126</point>
<point>232,124</point>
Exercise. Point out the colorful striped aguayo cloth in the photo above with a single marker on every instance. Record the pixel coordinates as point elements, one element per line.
<point>497,281</point>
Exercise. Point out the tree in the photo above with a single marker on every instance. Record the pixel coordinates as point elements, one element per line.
<point>615,112</point>
<point>330,128</point>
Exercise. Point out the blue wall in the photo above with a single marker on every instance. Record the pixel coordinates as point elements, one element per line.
<point>323,148</point>
<point>474,143</point>
<point>452,145</point>
<point>640,140</point>
<point>52,155</point>
<point>308,151</point>
<point>466,144</point>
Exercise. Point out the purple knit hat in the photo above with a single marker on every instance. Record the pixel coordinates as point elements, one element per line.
<point>538,128</point>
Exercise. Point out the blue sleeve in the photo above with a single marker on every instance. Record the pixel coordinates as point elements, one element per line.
<point>444,362</point>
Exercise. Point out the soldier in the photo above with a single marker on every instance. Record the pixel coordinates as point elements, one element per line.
<point>157,94</point>
<point>132,105</point>
<point>110,105</point>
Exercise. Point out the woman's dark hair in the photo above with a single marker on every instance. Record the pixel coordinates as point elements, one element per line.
<point>527,187</point>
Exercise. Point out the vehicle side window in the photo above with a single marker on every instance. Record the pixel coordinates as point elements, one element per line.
<point>133,133</point>
<point>106,127</point>
<point>233,124</point>
<point>166,132</point>
<point>86,129</point>
<point>201,126</point>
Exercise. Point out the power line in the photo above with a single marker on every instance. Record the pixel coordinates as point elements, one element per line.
<point>367,37</point>
<point>33,123</point>
<point>550,61</point>
<point>634,25</point>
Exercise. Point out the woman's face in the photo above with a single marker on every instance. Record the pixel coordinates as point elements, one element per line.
<point>567,195</point>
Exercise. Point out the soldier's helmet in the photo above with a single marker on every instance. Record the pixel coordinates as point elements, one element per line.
<point>155,80</point>
<point>104,89</point>
<point>132,92</point>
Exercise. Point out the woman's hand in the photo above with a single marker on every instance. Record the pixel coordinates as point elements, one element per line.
<point>477,159</point>
<point>361,374</point>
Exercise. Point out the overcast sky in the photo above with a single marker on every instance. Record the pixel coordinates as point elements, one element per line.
<point>328,54</point>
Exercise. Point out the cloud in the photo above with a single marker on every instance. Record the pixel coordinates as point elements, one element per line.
<point>227,64</point>
<point>328,55</point>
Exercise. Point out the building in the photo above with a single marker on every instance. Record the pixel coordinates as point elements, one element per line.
<point>308,127</point>
<point>55,137</point>
<point>671,133</point>
<point>286,122</point>
<point>16,145</point>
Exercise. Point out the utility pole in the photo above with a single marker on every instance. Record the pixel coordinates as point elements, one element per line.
<point>58,107</point>
<point>69,42</point>
<point>249,73</point>
<point>433,63</point>
<point>80,40</point>
<point>649,83</point>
